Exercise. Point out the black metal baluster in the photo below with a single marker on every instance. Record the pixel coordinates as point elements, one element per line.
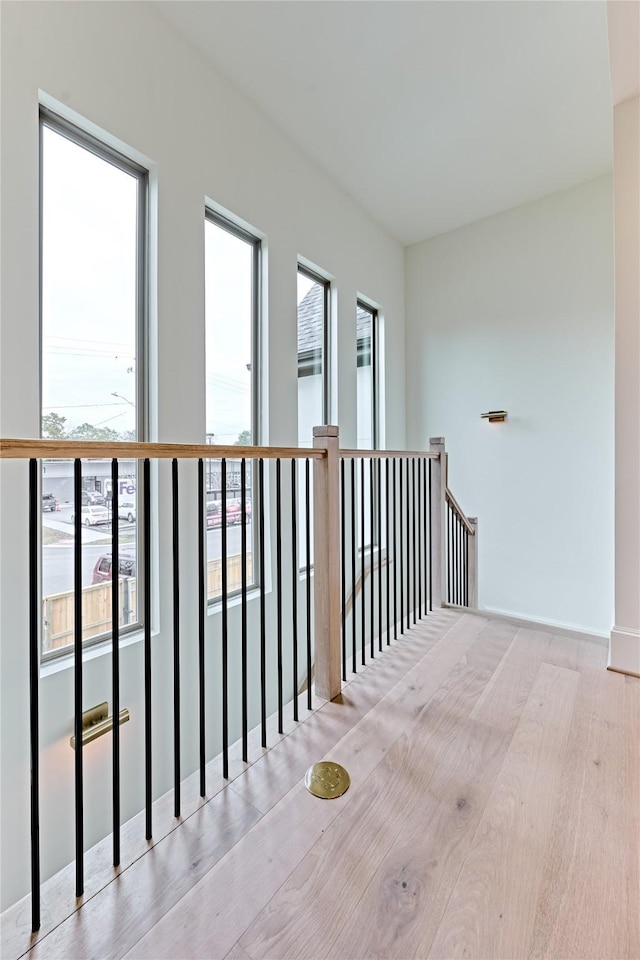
<point>176,639</point>
<point>295,580</point>
<point>263,626</point>
<point>202,608</point>
<point>363,607</point>
<point>387,543</point>
<point>459,561</point>
<point>448,509</point>
<point>371,573</point>
<point>354,666</point>
<point>409,559</point>
<point>343,537</point>
<point>146,568</point>
<point>425,524</point>
<point>379,504</point>
<point>466,567</point>
<point>77,668</point>
<point>115,661</point>
<point>408,546</point>
<point>429,544</point>
<point>448,555</point>
<point>279,592</point>
<point>458,558</point>
<point>400,485</point>
<point>456,530</point>
<point>395,555</point>
<point>307,493</point>
<point>420,508</point>
<point>455,554</point>
<point>225,624</point>
<point>243,560</point>
<point>34,692</point>
<point>413,533</point>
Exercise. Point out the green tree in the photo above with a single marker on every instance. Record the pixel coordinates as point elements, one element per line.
<point>54,426</point>
<point>244,439</point>
<point>86,431</point>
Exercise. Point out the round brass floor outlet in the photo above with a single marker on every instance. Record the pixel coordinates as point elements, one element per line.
<point>327,780</point>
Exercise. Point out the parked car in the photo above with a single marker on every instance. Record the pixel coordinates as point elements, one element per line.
<point>127,511</point>
<point>50,503</point>
<point>91,515</point>
<point>96,498</point>
<point>214,513</point>
<point>102,569</point>
<point>237,503</point>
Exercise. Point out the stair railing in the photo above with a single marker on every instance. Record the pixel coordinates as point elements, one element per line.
<point>376,542</point>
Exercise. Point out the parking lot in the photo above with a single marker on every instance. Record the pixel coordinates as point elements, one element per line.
<point>57,557</point>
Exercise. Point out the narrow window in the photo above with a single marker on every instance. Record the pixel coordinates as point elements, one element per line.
<point>232,271</point>
<point>367,379</point>
<point>367,399</point>
<point>93,229</point>
<point>313,333</point>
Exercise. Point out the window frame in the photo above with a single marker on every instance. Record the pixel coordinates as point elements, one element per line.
<point>58,124</point>
<point>241,233</point>
<point>375,413</point>
<point>326,341</point>
<point>224,223</point>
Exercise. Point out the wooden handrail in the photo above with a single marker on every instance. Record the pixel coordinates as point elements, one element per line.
<point>20,449</point>
<point>386,454</point>
<point>458,510</point>
<point>14,449</point>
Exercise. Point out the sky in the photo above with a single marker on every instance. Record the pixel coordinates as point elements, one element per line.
<point>89,365</point>
<point>88,287</point>
<point>228,296</point>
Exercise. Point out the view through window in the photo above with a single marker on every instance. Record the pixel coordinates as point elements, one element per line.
<point>366,322</point>
<point>231,307</point>
<point>92,217</point>
<point>313,301</point>
<point>366,339</point>
<point>313,295</point>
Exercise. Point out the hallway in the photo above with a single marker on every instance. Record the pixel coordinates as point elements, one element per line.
<point>493,812</point>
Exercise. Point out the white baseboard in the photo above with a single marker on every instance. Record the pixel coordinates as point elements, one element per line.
<point>624,651</point>
<point>552,626</point>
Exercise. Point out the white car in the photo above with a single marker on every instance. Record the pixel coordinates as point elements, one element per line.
<point>127,511</point>
<point>91,514</point>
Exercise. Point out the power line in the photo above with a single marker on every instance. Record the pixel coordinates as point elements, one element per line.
<point>74,406</point>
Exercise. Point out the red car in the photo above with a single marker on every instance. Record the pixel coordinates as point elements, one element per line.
<point>214,513</point>
<point>102,569</point>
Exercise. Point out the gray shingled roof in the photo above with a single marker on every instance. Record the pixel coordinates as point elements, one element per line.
<point>310,322</point>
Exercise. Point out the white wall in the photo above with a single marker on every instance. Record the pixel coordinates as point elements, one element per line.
<point>624,650</point>
<point>122,68</point>
<point>515,312</point>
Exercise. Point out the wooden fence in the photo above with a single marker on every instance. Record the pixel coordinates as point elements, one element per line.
<point>58,619</point>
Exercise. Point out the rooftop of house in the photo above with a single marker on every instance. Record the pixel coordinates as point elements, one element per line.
<point>310,312</point>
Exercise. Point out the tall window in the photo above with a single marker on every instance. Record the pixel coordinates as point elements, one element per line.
<point>232,265</point>
<point>367,376</point>
<point>313,335</point>
<point>93,228</point>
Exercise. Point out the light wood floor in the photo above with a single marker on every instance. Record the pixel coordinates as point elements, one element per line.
<point>494,811</point>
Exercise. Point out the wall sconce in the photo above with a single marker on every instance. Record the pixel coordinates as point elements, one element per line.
<point>96,722</point>
<point>495,416</point>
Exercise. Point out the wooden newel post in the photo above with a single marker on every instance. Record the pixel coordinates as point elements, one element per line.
<point>472,565</point>
<point>438,522</point>
<point>326,563</point>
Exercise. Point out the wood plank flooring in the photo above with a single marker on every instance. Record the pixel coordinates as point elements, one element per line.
<point>494,811</point>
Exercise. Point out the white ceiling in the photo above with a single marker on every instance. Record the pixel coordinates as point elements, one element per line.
<point>430,114</point>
